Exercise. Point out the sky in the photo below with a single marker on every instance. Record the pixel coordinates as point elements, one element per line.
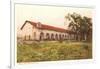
<point>50,15</point>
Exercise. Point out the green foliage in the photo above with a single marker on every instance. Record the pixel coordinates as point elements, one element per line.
<point>81,25</point>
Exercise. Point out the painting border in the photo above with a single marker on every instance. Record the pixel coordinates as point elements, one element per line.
<point>13,63</point>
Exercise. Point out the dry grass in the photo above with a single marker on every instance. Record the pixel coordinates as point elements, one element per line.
<point>53,50</point>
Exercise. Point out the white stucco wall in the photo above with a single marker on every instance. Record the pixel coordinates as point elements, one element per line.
<point>53,32</point>
<point>29,29</point>
<point>35,33</point>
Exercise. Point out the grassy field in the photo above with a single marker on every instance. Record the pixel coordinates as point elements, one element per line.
<point>53,50</point>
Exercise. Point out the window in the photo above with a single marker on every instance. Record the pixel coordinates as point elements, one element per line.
<point>41,36</point>
<point>47,36</point>
<point>52,36</point>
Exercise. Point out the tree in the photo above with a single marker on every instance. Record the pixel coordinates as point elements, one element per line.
<point>80,25</point>
<point>88,28</point>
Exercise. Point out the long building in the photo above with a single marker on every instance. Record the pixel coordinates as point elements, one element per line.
<point>38,31</point>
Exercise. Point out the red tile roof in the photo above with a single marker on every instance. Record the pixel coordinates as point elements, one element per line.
<point>46,27</point>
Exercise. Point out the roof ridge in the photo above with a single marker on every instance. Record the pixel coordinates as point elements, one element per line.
<point>47,27</point>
